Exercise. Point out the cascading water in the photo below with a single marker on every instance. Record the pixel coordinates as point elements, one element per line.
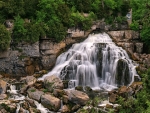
<point>97,62</point>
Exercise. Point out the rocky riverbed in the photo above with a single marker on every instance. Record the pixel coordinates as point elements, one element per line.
<point>29,95</point>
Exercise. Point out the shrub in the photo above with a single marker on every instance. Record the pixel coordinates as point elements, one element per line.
<point>4,38</point>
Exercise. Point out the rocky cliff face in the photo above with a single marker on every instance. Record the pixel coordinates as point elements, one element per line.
<point>26,59</point>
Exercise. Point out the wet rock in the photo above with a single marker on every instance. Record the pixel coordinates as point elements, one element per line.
<point>50,102</point>
<point>109,106</point>
<point>30,80</point>
<point>136,86</point>
<point>58,92</point>
<point>25,105</point>
<point>3,86</point>
<point>122,73</point>
<point>77,97</point>
<point>30,101</point>
<point>65,109</point>
<point>53,82</point>
<point>79,88</point>
<point>87,88</point>
<point>35,94</point>
<point>65,99</point>
<point>38,84</point>
<point>23,89</point>
<point>113,98</point>
<point>76,107</point>
<point>34,110</point>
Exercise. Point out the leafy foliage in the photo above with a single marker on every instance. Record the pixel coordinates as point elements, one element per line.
<point>141,102</point>
<point>51,18</point>
<point>4,38</point>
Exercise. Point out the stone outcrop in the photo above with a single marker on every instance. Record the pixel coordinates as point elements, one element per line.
<point>125,92</point>
<point>30,80</point>
<point>35,94</point>
<point>50,102</point>
<point>53,82</point>
<point>128,39</point>
<point>77,97</point>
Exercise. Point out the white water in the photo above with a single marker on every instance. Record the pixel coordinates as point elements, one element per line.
<point>12,89</point>
<point>41,108</point>
<point>80,64</point>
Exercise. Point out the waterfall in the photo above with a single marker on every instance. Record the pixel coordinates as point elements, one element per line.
<point>96,62</point>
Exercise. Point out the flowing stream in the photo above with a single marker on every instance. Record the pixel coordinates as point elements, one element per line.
<point>96,62</point>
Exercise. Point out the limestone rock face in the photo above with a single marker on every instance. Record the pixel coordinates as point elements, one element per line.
<point>139,47</point>
<point>50,102</point>
<point>117,35</point>
<point>53,82</point>
<point>77,97</point>
<point>3,86</point>
<point>48,61</point>
<point>35,94</point>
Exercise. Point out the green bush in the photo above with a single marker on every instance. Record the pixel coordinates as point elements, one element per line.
<point>4,38</point>
<point>134,25</point>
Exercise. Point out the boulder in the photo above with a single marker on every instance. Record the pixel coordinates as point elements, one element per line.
<point>3,96</point>
<point>30,80</point>
<point>23,89</point>
<point>112,98</point>
<point>58,92</point>
<point>50,102</point>
<point>35,94</point>
<point>3,86</point>
<point>77,97</point>
<point>53,82</point>
<point>30,101</point>
<point>65,109</point>
<point>65,99</point>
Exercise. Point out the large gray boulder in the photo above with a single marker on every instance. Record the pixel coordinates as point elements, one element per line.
<point>35,94</point>
<point>77,97</point>
<point>53,82</point>
<point>50,102</point>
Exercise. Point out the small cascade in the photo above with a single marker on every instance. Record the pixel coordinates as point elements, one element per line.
<point>96,62</point>
<point>41,108</point>
<point>19,106</point>
<point>12,89</point>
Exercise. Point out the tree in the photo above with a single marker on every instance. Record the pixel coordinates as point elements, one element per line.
<point>4,38</point>
<point>14,7</point>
